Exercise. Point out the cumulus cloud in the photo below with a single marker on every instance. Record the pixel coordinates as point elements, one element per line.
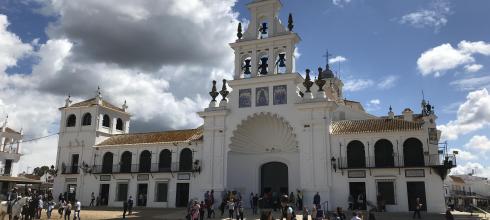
<point>478,142</point>
<point>434,17</point>
<point>373,105</point>
<point>464,155</point>
<point>152,54</point>
<point>445,57</point>
<point>11,46</point>
<point>470,167</point>
<point>337,59</point>
<point>472,115</point>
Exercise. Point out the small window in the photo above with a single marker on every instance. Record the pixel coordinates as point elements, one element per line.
<point>119,124</point>
<point>106,121</point>
<point>122,192</point>
<point>87,119</point>
<point>161,192</point>
<point>386,192</point>
<point>71,121</point>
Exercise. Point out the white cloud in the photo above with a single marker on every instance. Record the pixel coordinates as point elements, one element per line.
<point>341,3</point>
<point>471,68</point>
<point>337,59</point>
<point>388,82</point>
<point>150,56</point>
<point>11,47</point>
<point>435,16</point>
<point>469,167</point>
<point>472,115</point>
<point>445,57</point>
<point>375,101</point>
<point>478,142</point>
<point>464,155</point>
<point>354,85</point>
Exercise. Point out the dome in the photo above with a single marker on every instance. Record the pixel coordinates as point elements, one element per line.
<point>327,73</point>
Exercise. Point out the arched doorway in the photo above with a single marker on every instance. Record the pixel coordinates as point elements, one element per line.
<point>274,178</point>
<point>126,158</point>
<point>185,162</point>
<point>107,162</point>
<point>356,157</point>
<point>145,161</point>
<point>413,153</point>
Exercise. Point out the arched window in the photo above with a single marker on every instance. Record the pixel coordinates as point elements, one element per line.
<point>263,66</point>
<point>119,124</point>
<point>280,63</point>
<point>263,29</point>
<point>71,121</point>
<point>356,157</point>
<point>383,154</point>
<point>246,67</point>
<point>185,160</point>
<point>87,119</point>
<point>106,121</point>
<point>145,161</point>
<point>413,152</point>
<point>126,158</point>
<point>165,161</point>
<point>107,162</point>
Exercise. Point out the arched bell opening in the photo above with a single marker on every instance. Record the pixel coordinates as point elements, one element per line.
<point>263,66</point>
<point>246,71</point>
<point>280,63</point>
<point>263,28</point>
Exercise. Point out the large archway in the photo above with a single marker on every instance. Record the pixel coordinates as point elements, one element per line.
<point>263,145</point>
<point>274,178</point>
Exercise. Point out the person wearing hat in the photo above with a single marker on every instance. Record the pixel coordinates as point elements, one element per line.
<point>11,200</point>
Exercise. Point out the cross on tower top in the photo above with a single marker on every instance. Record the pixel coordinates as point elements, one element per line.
<point>327,56</point>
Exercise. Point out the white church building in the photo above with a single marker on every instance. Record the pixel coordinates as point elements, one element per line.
<point>273,131</point>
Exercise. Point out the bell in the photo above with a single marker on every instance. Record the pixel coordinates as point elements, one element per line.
<point>263,65</point>
<point>246,67</point>
<point>264,28</point>
<point>281,60</point>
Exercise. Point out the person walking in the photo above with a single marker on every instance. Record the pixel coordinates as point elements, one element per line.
<point>125,209</point>
<point>195,211</point>
<point>68,211</point>
<point>78,208</point>
<point>92,199</point>
<point>240,209</point>
<point>231,208</point>
<point>255,203</point>
<point>130,205</point>
<point>40,206</point>
<point>418,206</point>
<point>316,200</point>
<point>49,209</point>
<point>251,200</point>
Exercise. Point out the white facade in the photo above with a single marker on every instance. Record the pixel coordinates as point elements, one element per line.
<point>10,152</point>
<point>269,120</point>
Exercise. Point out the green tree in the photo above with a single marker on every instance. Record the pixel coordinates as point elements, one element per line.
<point>39,171</point>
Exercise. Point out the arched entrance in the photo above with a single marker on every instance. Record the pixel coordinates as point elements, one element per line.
<point>274,178</point>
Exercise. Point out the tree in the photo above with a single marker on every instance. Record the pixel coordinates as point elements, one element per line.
<point>39,171</point>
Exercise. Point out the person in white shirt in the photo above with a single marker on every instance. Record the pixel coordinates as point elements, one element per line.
<point>356,216</point>
<point>78,208</point>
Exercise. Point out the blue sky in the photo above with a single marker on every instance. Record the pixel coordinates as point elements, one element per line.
<point>383,42</point>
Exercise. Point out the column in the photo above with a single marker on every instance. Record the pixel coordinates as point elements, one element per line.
<point>272,60</point>
<point>238,65</point>
<point>254,63</point>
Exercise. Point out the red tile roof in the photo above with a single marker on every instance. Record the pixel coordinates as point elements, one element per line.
<point>373,125</point>
<point>155,137</point>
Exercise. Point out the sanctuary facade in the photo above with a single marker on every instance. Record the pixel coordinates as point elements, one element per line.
<point>273,131</point>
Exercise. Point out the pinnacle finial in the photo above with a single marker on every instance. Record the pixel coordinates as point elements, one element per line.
<point>239,31</point>
<point>213,92</point>
<point>224,91</point>
<point>308,83</point>
<point>290,22</point>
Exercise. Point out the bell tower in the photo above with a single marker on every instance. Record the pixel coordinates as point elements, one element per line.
<point>267,46</point>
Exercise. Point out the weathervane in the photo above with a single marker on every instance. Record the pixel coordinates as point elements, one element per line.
<point>327,57</point>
